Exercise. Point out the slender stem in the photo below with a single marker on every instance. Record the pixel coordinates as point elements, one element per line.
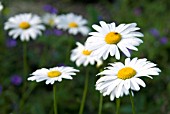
<point>68,50</point>
<point>55,99</point>
<point>100,104</point>
<point>117,105</point>
<point>25,59</point>
<point>24,75</point>
<point>132,102</point>
<point>84,92</point>
<point>100,100</point>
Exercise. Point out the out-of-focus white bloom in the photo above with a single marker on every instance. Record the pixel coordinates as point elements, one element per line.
<point>82,56</point>
<point>53,74</point>
<point>73,23</point>
<point>109,38</point>
<point>50,19</point>
<point>25,26</point>
<point>119,78</point>
<point>1,6</point>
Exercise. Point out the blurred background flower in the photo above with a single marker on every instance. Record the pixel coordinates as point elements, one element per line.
<point>11,42</point>
<point>154,32</point>
<point>137,11</point>
<point>163,40</point>
<point>1,6</point>
<point>0,88</point>
<point>50,9</point>
<point>16,79</point>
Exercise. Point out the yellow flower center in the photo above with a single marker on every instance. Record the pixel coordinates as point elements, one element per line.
<point>73,25</point>
<point>51,22</point>
<point>126,73</point>
<point>86,52</point>
<point>53,74</point>
<point>112,38</point>
<point>24,25</point>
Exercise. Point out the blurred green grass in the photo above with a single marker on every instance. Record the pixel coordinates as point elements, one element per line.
<point>49,51</point>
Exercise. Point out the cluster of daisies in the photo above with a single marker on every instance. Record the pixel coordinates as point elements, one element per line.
<point>107,40</point>
<point>28,26</point>
<point>118,78</point>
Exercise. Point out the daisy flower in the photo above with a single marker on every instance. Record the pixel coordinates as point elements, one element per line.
<point>119,78</point>
<point>82,56</point>
<point>53,74</point>
<point>109,38</point>
<point>50,19</point>
<point>25,26</point>
<point>1,6</point>
<point>73,23</point>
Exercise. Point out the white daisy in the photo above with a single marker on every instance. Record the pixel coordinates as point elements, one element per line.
<point>53,74</point>
<point>109,38</point>
<point>25,26</point>
<point>50,19</point>
<point>119,78</point>
<point>1,6</point>
<point>73,23</point>
<point>82,56</point>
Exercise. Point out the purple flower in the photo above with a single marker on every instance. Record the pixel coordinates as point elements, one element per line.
<point>163,40</point>
<point>16,79</point>
<point>99,18</point>
<point>11,43</point>
<point>61,64</point>
<point>154,32</point>
<point>48,32</point>
<point>1,89</point>
<point>57,32</point>
<point>137,11</point>
<point>50,9</point>
<point>53,31</point>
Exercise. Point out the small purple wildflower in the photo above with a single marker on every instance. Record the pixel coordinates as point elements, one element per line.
<point>57,32</point>
<point>16,79</point>
<point>163,40</point>
<point>61,64</point>
<point>48,32</point>
<point>137,11</point>
<point>50,9</point>
<point>1,89</point>
<point>99,18</point>
<point>53,31</point>
<point>11,43</point>
<point>154,32</point>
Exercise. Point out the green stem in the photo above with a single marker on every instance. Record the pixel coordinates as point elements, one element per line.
<point>84,93</point>
<point>55,99</point>
<point>117,105</point>
<point>25,59</point>
<point>24,74</point>
<point>132,102</point>
<point>100,104</point>
<point>68,51</point>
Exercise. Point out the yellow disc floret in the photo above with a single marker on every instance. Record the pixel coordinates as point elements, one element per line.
<point>112,38</point>
<point>51,22</point>
<point>54,73</point>
<point>73,25</point>
<point>126,73</point>
<point>86,52</point>
<point>24,25</point>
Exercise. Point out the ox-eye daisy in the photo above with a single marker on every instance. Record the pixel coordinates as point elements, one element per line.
<point>25,26</point>
<point>1,6</point>
<point>53,74</point>
<point>73,23</point>
<point>119,78</point>
<point>50,19</point>
<point>82,56</point>
<point>109,38</point>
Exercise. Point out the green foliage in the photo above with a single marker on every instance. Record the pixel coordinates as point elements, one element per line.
<point>50,50</point>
